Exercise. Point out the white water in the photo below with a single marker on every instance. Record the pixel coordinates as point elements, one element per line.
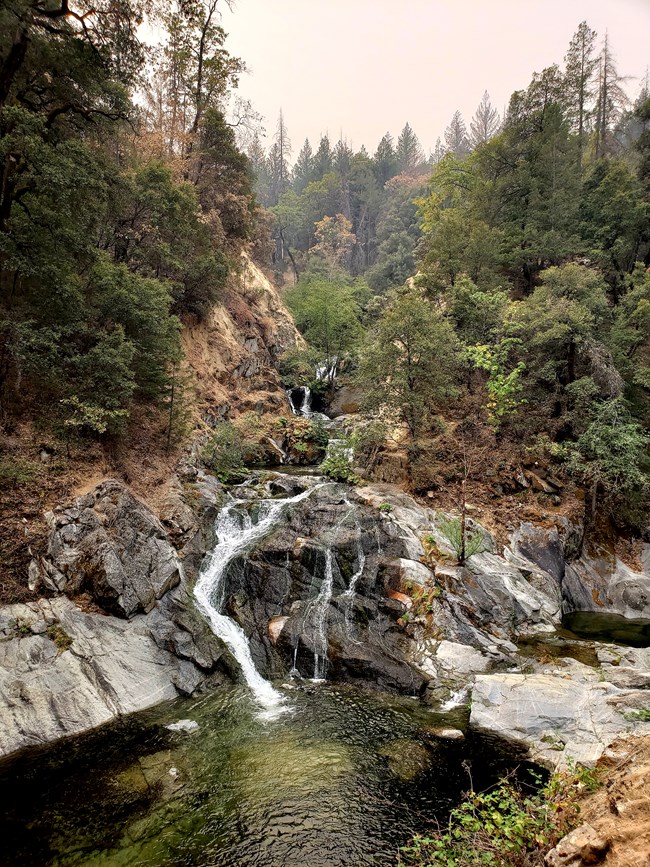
<point>321,605</point>
<point>236,532</point>
<point>455,699</point>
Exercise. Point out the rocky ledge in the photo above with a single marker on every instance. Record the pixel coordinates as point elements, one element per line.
<point>128,638</point>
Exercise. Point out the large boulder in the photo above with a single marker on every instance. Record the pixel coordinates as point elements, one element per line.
<point>83,671</point>
<point>111,545</point>
<point>564,714</point>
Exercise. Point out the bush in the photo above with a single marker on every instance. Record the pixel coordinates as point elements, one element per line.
<point>473,543</point>
<point>338,463</point>
<point>223,453</point>
<point>506,827</point>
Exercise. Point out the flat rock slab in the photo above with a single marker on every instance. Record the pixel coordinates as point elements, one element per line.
<point>559,716</point>
<point>112,667</point>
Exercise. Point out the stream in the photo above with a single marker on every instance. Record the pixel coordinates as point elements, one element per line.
<point>343,778</point>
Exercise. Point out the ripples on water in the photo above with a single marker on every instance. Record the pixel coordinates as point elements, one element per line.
<point>342,779</point>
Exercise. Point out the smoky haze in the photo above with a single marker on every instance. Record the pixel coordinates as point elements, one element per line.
<point>359,68</point>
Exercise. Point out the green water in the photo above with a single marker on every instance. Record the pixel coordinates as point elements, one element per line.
<point>600,626</point>
<point>343,778</point>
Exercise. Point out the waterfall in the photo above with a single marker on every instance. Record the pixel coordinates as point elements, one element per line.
<point>305,407</point>
<point>291,403</point>
<point>236,533</point>
<point>320,607</point>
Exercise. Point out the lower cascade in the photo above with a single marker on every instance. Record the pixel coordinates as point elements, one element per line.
<point>236,532</point>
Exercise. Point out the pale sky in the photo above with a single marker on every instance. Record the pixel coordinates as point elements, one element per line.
<point>365,67</point>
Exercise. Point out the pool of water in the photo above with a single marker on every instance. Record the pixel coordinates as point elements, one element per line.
<point>599,626</point>
<point>341,778</point>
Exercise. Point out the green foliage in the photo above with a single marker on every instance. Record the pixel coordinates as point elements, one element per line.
<point>338,462</point>
<point>641,715</point>
<point>505,827</point>
<point>101,242</point>
<point>224,452</point>
<point>504,380</point>
<point>327,314</point>
<point>18,472</point>
<point>465,541</point>
<point>386,508</point>
<point>611,455</point>
<point>411,355</point>
<point>60,637</point>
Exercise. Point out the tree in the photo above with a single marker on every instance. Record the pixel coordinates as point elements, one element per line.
<point>580,66</point>
<point>409,153</point>
<point>610,456</point>
<point>485,124</point>
<point>385,160</point>
<point>409,361</point>
<point>278,161</point>
<point>335,241</point>
<point>323,159</point>
<point>327,314</point>
<point>456,138</point>
<point>612,100</point>
<point>259,168</point>
<point>303,171</point>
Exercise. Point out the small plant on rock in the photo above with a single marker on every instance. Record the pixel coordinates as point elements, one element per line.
<point>464,541</point>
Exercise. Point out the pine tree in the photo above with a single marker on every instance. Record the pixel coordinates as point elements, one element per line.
<point>323,159</point>
<point>409,153</point>
<point>385,161</point>
<point>259,166</point>
<point>303,171</point>
<point>456,136</point>
<point>278,161</point>
<point>612,100</point>
<point>485,123</point>
<point>580,66</point>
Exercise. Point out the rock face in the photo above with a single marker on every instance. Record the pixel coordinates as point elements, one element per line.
<point>110,544</point>
<point>233,351</point>
<point>561,714</point>
<point>63,670</point>
<point>110,667</point>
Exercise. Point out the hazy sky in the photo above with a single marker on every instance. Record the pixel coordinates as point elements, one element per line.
<point>364,67</point>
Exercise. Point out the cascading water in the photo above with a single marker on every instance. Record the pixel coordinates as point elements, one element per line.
<point>236,533</point>
<point>320,607</point>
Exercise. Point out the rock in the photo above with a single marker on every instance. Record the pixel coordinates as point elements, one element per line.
<point>112,667</point>
<point>582,847</point>
<point>460,659</point>
<point>402,598</point>
<point>448,734</point>
<point>539,484</point>
<point>571,714</point>
<point>110,544</point>
<point>276,625</point>
<point>598,581</point>
<point>183,725</point>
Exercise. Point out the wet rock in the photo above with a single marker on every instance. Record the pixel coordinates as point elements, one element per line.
<point>582,847</point>
<point>183,725</point>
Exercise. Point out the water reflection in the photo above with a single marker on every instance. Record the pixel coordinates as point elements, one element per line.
<point>342,780</point>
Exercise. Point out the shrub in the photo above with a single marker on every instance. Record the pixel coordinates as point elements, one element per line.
<point>472,543</point>
<point>223,453</point>
<point>338,463</point>
<point>506,827</point>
